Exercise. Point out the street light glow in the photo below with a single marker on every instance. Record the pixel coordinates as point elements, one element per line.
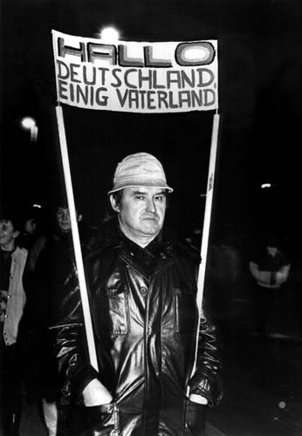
<point>109,34</point>
<point>266,185</point>
<point>28,123</point>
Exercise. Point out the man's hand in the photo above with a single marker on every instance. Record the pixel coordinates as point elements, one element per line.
<point>198,399</point>
<point>96,394</point>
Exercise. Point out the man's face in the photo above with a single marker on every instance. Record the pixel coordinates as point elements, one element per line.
<point>142,211</point>
<point>272,250</point>
<point>30,226</point>
<point>7,234</point>
<point>63,219</point>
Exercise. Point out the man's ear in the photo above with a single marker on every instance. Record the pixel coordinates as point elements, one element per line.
<point>16,233</point>
<point>114,204</point>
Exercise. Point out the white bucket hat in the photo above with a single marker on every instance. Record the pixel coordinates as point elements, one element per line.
<point>139,169</point>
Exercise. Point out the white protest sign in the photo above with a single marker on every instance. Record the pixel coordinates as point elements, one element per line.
<point>140,77</point>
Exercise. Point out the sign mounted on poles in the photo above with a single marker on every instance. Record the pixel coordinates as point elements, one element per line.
<point>143,77</point>
<point>137,77</point>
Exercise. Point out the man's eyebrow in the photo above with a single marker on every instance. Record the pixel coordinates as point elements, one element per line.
<point>162,191</point>
<point>138,192</point>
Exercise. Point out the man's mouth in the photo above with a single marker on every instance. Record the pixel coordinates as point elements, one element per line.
<point>151,218</point>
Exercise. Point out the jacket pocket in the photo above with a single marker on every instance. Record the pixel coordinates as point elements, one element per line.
<point>195,419</point>
<point>118,310</point>
<point>185,310</point>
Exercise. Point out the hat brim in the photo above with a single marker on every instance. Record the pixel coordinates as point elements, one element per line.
<point>134,185</point>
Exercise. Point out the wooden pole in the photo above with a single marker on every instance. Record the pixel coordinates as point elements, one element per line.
<point>206,227</point>
<point>76,239</point>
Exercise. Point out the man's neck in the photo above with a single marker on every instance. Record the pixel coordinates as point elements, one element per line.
<point>8,247</point>
<point>141,240</point>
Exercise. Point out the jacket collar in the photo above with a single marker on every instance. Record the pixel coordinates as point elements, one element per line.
<point>110,237</point>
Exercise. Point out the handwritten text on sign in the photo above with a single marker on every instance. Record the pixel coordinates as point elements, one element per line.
<point>136,76</point>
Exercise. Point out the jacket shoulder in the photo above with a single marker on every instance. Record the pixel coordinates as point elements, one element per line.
<point>21,252</point>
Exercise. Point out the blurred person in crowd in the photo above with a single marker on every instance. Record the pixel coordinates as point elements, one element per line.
<point>12,302</point>
<point>143,300</point>
<point>224,279</point>
<point>269,268</point>
<point>194,236</point>
<point>33,236</point>
<point>55,259</point>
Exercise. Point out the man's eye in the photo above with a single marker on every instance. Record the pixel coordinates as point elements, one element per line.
<point>139,197</point>
<point>159,198</point>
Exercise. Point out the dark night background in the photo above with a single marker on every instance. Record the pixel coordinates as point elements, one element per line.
<point>260,65</point>
<point>260,84</point>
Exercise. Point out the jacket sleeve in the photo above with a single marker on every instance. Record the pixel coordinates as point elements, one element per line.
<point>206,379</point>
<point>70,341</point>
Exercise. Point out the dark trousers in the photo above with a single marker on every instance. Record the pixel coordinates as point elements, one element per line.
<point>264,300</point>
<point>10,388</point>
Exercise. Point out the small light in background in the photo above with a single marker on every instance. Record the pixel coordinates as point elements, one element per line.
<point>37,206</point>
<point>29,123</point>
<point>266,185</point>
<point>109,35</point>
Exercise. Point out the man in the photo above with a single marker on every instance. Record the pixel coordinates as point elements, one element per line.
<point>142,297</point>
<point>269,268</point>
<point>46,279</point>
<point>12,301</point>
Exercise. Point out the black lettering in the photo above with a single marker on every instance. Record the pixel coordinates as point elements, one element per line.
<point>61,74</point>
<point>197,98</point>
<point>124,61</point>
<point>133,99</point>
<point>103,72</point>
<point>205,76</point>
<point>162,99</point>
<point>186,80</point>
<point>82,94</point>
<point>118,83</point>
<point>127,83</point>
<point>71,92</point>
<point>86,79</point>
<point>206,57</point>
<point>62,89</point>
<point>209,97</point>
<point>147,78</point>
<point>100,99</point>
<point>155,84</point>
<point>150,100</point>
<point>184,98</point>
<point>122,99</point>
<point>151,62</point>
<point>64,50</point>
<point>172,105</point>
<point>173,77</point>
<point>74,73</point>
<point>102,51</point>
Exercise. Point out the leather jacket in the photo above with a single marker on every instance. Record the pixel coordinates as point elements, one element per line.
<point>144,323</point>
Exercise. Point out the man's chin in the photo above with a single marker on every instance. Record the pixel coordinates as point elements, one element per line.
<point>151,230</point>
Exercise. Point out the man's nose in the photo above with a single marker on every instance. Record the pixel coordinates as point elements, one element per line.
<point>151,207</point>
